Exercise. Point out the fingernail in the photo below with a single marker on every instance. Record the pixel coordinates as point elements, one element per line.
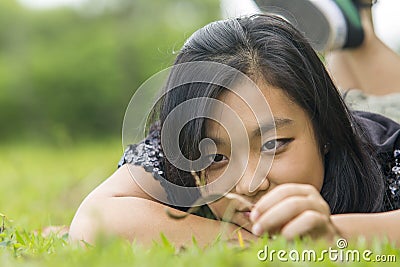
<point>257,230</point>
<point>254,215</point>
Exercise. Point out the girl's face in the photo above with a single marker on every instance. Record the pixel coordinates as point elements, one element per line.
<point>297,155</point>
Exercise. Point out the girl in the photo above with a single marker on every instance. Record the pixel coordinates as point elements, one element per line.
<point>334,172</point>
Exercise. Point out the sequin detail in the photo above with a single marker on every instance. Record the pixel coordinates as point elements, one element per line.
<point>147,154</point>
<point>392,173</point>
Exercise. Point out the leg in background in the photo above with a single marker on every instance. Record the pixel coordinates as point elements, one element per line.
<point>372,67</point>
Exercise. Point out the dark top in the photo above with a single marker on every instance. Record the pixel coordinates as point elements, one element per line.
<point>383,132</point>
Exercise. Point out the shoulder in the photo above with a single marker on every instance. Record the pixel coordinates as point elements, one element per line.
<point>128,181</point>
<point>384,137</point>
<point>145,164</point>
<point>382,132</point>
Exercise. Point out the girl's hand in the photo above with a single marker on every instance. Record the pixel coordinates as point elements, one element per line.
<point>293,210</point>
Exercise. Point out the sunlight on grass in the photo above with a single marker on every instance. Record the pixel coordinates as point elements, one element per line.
<point>23,248</point>
<point>43,184</point>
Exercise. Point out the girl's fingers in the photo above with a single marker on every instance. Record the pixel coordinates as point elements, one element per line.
<point>310,223</point>
<point>278,194</point>
<point>282,213</point>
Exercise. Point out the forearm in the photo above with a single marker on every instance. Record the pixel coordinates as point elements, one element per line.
<point>144,221</point>
<point>371,225</point>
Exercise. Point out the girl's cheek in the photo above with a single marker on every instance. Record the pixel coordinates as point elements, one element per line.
<point>217,208</point>
<point>299,169</point>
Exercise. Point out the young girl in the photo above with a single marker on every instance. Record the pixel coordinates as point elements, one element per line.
<point>334,172</point>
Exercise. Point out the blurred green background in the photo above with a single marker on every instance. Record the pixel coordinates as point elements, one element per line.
<point>69,73</point>
<point>66,77</point>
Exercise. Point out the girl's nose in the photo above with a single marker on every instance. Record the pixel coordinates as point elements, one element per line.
<point>253,181</point>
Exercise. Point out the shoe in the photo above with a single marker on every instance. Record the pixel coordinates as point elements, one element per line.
<point>327,24</point>
<point>366,3</point>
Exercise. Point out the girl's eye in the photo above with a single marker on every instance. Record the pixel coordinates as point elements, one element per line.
<point>274,145</point>
<point>216,158</point>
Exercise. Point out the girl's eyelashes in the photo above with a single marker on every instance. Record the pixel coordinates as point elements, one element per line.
<point>275,145</point>
<point>217,158</point>
<point>271,146</point>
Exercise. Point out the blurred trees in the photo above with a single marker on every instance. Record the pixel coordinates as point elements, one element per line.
<point>68,73</point>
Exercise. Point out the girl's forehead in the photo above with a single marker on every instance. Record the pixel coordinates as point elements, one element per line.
<point>251,113</point>
<point>250,98</point>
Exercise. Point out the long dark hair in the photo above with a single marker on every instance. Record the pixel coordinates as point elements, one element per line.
<point>269,46</point>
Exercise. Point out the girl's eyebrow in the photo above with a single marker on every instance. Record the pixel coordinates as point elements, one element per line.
<point>266,127</point>
<point>217,140</point>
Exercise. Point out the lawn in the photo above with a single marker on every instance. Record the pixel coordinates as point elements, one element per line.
<point>43,185</point>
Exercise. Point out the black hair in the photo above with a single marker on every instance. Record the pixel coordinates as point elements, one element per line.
<point>269,47</point>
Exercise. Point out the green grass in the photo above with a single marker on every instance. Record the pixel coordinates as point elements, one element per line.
<point>43,185</point>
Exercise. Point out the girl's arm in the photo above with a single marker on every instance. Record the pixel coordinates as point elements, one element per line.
<point>369,225</point>
<point>120,207</point>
